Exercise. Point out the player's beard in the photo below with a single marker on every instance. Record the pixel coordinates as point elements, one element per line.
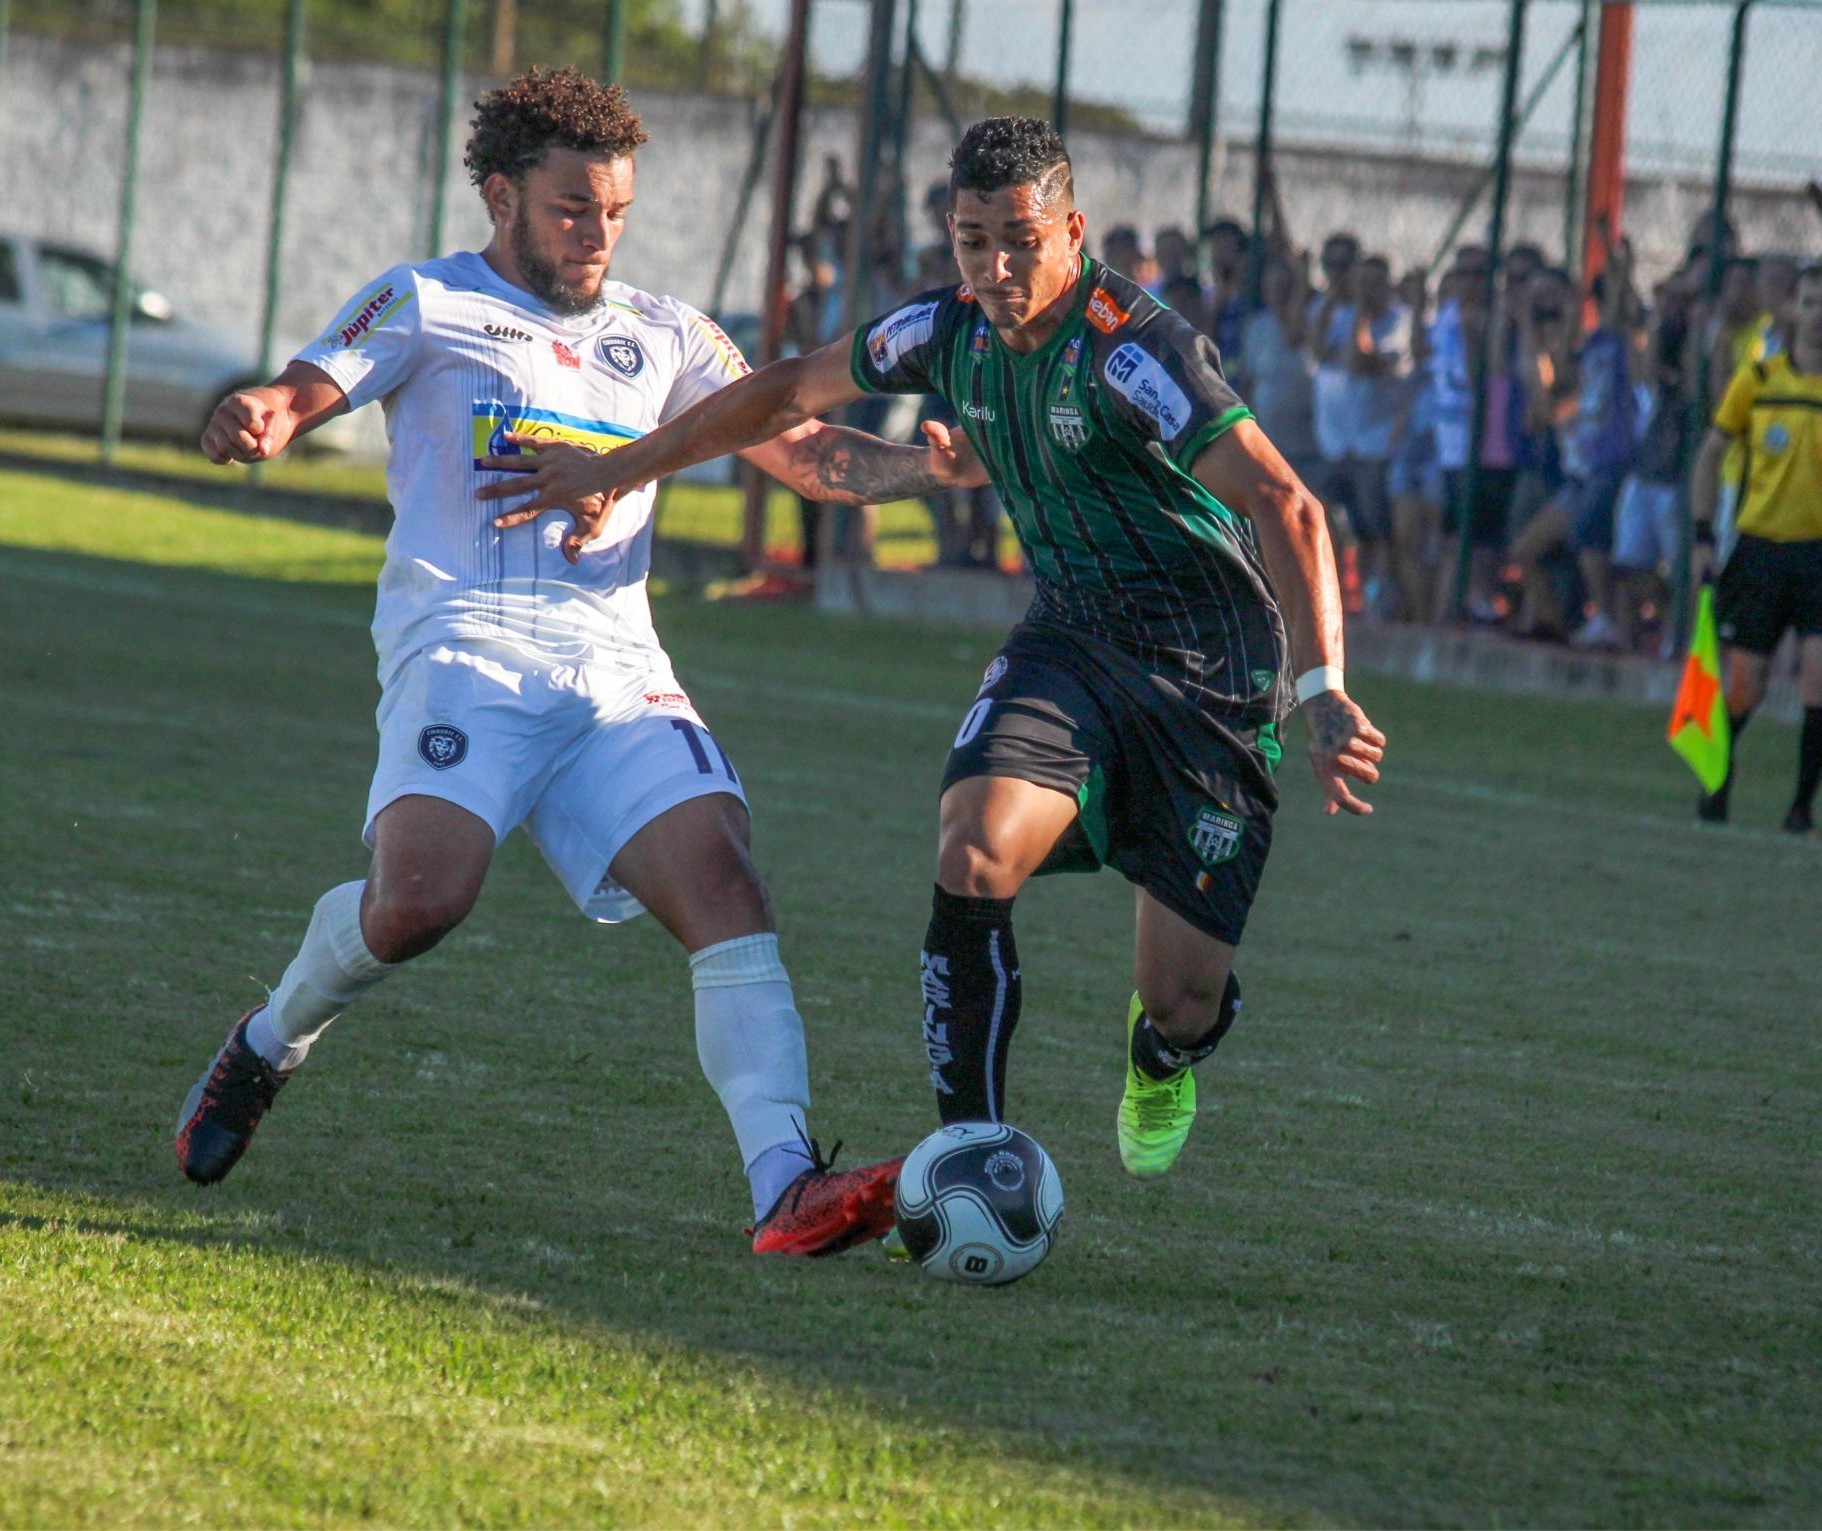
<point>540,275</point>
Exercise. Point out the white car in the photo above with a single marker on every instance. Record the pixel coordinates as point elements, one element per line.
<point>55,303</point>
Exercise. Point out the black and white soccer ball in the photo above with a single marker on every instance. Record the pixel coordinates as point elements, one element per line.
<point>979,1202</point>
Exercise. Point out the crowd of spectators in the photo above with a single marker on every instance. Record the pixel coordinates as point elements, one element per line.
<point>1365,379</point>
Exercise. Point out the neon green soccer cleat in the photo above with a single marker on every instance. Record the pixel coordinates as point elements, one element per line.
<point>1155,1114</point>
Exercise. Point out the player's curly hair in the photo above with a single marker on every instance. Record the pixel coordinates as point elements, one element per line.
<point>544,109</point>
<point>1011,151</point>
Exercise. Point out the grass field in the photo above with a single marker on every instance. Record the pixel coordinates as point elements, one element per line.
<point>1505,1211</point>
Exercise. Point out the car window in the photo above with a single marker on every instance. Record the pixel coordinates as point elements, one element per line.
<point>9,274</point>
<point>76,286</point>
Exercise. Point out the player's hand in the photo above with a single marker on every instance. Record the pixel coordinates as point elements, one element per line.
<point>1343,744</point>
<point>953,461</point>
<point>563,477</point>
<point>249,426</point>
<point>1701,566</point>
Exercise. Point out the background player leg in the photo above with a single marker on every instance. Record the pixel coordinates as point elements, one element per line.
<point>692,870</point>
<point>994,833</point>
<point>429,861</point>
<point>1800,820</point>
<point>1187,997</point>
<point>1746,675</point>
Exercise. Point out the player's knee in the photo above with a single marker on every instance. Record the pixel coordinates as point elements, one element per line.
<point>1192,1007</point>
<point>972,868</point>
<point>400,926</point>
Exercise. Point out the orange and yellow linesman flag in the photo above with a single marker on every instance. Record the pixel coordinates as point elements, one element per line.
<point>1698,726</point>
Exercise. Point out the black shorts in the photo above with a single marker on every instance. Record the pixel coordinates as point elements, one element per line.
<point>1176,800</point>
<point>1767,588</point>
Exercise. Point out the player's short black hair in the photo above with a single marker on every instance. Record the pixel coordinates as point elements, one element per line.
<point>1011,151</point>
<point>547,109</point>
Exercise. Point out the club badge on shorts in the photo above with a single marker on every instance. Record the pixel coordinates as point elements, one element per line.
<point>443,745</point>
<point>1214,835</point>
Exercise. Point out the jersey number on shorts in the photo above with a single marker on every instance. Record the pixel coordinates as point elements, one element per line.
<point>693,737</point>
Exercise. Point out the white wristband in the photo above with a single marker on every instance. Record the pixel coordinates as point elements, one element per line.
<point>1314,682</point>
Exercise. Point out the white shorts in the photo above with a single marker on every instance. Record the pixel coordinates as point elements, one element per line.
<point>583,757</point>
<point>1647,525</point>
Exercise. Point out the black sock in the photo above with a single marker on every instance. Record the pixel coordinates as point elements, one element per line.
<point>1735,727</point>
<point>1158,1059</point>
<point>970,980</point>
<point>1809,761</point>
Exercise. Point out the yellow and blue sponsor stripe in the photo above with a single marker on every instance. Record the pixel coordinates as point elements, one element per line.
<point>492,420</point>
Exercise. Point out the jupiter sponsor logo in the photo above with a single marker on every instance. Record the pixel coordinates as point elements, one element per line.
<point>380,306</point>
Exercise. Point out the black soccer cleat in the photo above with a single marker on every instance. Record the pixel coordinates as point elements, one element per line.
<point>1711,807</point>
<point>221,1112</point>
<point>1798,821</point>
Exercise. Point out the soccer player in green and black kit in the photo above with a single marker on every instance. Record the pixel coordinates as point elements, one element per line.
<point>1132,718</point>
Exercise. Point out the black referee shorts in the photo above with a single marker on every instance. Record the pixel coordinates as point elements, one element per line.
<point>1767,588</point>
<point>1176,800</point>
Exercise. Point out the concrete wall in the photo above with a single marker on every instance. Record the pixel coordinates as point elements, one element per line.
<point>360,187</point>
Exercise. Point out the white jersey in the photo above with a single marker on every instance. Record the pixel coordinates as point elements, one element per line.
<point>458,356</point>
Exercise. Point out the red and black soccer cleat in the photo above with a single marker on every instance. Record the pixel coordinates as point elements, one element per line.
<point>220,1113</point>
<point>824,1211</point>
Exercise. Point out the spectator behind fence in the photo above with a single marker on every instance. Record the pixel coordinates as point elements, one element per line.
<point>1771,582</point>
<point>1362,343</point>
<point>1227,294</point>
<point>1544,320</point>
<point>1273,366</point>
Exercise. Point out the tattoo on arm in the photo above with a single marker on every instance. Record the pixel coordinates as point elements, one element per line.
<point>850,468</point>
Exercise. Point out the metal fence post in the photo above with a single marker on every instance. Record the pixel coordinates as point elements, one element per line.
<point>1575,184</point>
<point>1204,100</point>
<point>1262,156</point>
<point>1059,105</point>
<point>1496,244</point>
<point>613,43</point>
<point>857,288</point>
<point>455,30</point>
<point>113,404</point>
<point>281,176</point>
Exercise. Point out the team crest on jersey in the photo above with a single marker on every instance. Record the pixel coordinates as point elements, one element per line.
<point>507,332</point>
<point>622,354</point>
<point>1262,679</point>
<point>1214,835</point>
<point>996,669</point>
<point>1777,438</point>
<point>1068,428</point>
<point>565,356</point>
<point>443,745</point>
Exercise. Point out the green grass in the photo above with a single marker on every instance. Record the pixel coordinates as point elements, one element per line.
<point>692,512</point>
<point>1502,1210</point>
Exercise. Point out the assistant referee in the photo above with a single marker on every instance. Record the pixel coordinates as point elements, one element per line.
<point>1772,579</point>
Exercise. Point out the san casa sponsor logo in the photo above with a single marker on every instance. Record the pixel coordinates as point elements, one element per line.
<point>1139,378</point>
<point>369,316</point>
<point>507,332</point>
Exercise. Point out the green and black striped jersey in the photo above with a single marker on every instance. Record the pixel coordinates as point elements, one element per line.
<point>1090,440</point>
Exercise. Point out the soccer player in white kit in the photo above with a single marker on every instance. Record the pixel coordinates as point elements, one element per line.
<point>522,680</point>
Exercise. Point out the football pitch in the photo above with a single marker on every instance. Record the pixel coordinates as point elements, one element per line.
<point>1503,1208</point>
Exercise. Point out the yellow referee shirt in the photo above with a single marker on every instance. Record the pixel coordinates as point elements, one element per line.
<point>1775,412</point>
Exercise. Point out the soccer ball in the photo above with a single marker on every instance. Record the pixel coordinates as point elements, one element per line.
<point>979,1202</point>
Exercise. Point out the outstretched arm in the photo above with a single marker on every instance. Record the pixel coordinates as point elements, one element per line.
<point>845,467</point>
<point>583,484</point>
<point>1243,470</point>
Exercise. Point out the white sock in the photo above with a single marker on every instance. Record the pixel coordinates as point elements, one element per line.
<point>330,970</point>
<point>749,1039</point>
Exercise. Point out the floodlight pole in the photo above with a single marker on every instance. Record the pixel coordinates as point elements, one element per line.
<point>113,403</point>
<point>454,31</point>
